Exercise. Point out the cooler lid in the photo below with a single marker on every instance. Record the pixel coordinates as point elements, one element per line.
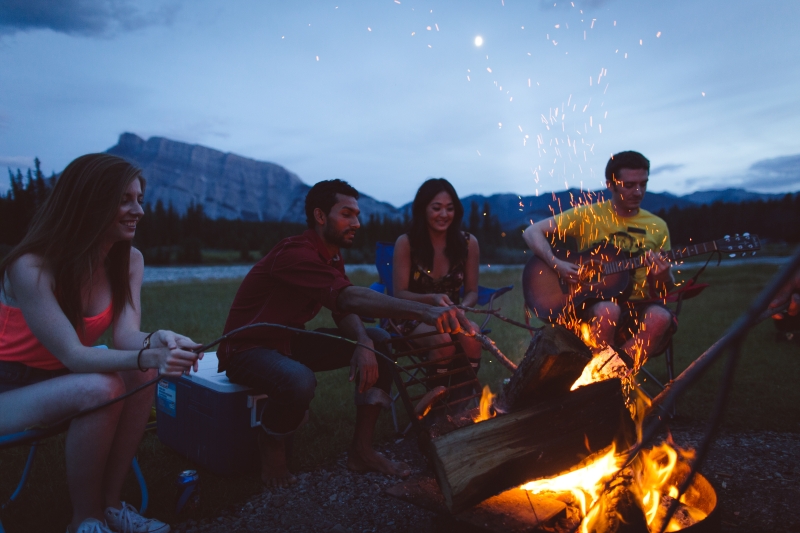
<point>208,377</point>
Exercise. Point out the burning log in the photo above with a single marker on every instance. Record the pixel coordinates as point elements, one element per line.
<point>554,360</point>
<point>476,462</point>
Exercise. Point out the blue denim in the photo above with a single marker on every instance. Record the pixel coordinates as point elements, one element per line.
<point>289,381</point>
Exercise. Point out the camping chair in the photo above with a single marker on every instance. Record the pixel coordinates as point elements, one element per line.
<point>36,435</point>
<point>384,255</point>
<point>33,437</point>
<point>677,296</point>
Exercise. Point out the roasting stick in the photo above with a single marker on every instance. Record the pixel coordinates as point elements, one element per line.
<point>496,313</point>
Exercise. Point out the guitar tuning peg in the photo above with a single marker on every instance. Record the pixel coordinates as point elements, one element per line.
<point>736,236</point>
<point>731,255</point>
<point>752,253</point>
<point>727,237</point>
<point>746,235</point>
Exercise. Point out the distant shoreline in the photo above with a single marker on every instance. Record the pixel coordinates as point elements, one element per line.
<point>179,274</point>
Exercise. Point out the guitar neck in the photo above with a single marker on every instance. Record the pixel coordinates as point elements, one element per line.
<point>672,255</point>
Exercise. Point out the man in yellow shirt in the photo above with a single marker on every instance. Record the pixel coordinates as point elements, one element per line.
<point>637,327</point>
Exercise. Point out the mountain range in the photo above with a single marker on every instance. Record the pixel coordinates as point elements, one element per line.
<point>235,187</point>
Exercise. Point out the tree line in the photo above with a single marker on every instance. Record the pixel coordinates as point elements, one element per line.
<point>167,237</point>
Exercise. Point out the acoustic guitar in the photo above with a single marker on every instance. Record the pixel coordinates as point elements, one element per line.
<point>605,273</point>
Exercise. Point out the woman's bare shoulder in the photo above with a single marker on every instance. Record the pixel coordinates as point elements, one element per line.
<point>136,265</point>
<point>472,240</point>
<point>30,263</point>
<point>27,272</point>
<point>402,242</point>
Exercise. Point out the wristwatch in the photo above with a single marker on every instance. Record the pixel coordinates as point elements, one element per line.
<point>146,343</point>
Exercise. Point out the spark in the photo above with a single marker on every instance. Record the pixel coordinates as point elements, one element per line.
<point>658,35</point>
<point>369,29</point>
<point>317,58</point>
<point>558,26</point>
<point>478,41</point>
<point>479,152</point>
<point>429,46</point>
<point>413,33</point>
<point>640,42</point>
<point>703,94</point>
<point>428,28</point>
<point>488,70</point>
<point>437,27</point>
<point>499,125</point>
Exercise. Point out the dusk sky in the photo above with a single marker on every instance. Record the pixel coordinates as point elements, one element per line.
<point>385,93</point>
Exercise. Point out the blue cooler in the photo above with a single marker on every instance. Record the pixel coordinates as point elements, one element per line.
<point>210,420</point>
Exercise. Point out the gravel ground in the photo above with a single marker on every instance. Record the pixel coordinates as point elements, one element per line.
<point>756,475</point>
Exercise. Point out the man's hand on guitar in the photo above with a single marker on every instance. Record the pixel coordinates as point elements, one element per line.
<point>567,271</point>
<point>657,266</point>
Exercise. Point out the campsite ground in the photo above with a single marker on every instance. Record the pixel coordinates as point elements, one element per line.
<point>758,447</point>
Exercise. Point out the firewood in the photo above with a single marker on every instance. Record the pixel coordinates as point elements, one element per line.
<point>476,462</point>
<point>553,361</point>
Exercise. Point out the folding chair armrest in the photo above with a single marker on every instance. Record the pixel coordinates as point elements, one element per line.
<point>378,287</point>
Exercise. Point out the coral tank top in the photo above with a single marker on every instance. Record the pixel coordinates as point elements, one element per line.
<point>19,345</point>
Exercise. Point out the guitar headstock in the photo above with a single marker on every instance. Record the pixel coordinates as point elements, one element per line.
<point>744,244</point>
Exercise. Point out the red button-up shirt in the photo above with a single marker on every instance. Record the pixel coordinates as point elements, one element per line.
<point>288,286</point>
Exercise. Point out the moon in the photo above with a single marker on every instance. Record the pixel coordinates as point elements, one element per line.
<point>478,40</point>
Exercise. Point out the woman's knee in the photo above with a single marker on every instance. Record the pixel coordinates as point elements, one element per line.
<point>94,389</point>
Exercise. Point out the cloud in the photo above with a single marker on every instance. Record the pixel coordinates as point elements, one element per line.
<point>15,161</point>
<point>669,167</point>
<point>93,18</point>
<point>776,173</point>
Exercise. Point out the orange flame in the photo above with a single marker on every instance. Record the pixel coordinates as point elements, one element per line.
<point>486,411</point>
<point>584,483</point>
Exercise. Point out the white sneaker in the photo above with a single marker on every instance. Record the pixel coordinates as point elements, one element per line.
<point>91,525</point>
<point>127,520</point>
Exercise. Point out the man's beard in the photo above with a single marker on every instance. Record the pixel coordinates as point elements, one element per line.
<point>338,239</point>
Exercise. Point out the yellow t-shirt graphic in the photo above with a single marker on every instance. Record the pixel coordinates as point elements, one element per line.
<point>595,223</point>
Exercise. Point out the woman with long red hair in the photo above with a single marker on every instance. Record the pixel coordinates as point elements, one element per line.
<point>73,275</point>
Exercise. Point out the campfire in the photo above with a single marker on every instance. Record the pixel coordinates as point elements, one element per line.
<point>559,432</point>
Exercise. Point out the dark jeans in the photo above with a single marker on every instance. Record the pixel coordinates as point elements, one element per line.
<point>15,375</point>
<point>289,381</point>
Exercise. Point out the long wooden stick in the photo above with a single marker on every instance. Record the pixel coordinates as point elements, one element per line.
<point>489,345</point>
<point>495,313</point>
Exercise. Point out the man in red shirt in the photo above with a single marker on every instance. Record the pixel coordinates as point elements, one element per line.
<point>289,286</point>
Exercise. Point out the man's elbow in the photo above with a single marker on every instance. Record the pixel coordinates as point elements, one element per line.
<point>348,300</point>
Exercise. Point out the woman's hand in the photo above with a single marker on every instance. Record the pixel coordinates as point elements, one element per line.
<point>441,300</point>
<point>176,354</point>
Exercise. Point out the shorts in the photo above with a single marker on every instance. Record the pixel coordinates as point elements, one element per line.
<point>628,323</point>
<point>15,375</point>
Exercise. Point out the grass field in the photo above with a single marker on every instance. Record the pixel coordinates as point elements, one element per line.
<point>766,395</point>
